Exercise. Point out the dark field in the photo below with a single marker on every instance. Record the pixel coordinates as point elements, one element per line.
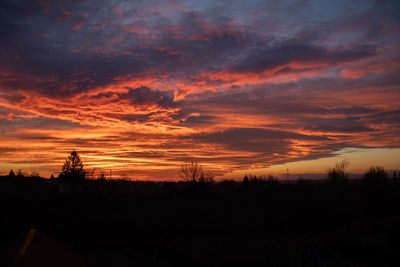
<point>118,223</point>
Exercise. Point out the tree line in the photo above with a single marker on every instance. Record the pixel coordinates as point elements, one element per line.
<point>193,173</point>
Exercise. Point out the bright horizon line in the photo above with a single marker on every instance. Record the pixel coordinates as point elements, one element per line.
<point>360,161</point>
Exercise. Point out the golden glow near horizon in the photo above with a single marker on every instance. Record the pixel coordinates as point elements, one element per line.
<point>360,159</point>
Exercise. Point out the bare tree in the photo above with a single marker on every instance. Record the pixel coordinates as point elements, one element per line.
<point>206,177</point>
<point>191,171</point>
<point>199,180</point>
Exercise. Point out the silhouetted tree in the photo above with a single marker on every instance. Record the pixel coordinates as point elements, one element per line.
<point>19,173</point>
<point>395,182</point>
<point>253,180</point>
<point>270,181</point>
<point>204,183</point>
<point>376,177</point>
<point>11,173</point>
<point>245,182</point>
<point>34,175</point>
<point>101,177</point>
<point>262,181</point>
<point>337,175</point>
<point>206,177</point>
<point>51,177</point>
<point>72,170</point>
<point>191,171</point>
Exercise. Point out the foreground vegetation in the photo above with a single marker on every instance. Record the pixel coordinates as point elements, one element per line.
<point>258,222</point>
<point>198,222</point>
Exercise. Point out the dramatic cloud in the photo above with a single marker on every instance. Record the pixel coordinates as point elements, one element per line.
<point>141,87</point>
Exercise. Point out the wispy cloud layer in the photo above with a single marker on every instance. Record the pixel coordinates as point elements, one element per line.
<point>141,87</point>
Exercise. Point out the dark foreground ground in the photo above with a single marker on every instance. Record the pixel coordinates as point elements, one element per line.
<point>148,224</point>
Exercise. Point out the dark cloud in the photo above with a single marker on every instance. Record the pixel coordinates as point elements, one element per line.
<point>144,95</point>
<point>198,120</point>
<point>385,117</point>
<point>253,139</point>
<point>59,61</point>
<point>292,100</point>
<point>347,125</point>
<point>266,56</point>
<point>13,98</point>
<point>22,122</point>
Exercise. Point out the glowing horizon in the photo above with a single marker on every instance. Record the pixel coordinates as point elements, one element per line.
<point>254,86</point>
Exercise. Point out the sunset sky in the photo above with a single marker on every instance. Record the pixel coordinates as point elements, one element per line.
<point>240,86</point>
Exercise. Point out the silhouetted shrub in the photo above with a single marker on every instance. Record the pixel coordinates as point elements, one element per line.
<point>271,181</point>
<point>262,181</point>
<point>34,175</point>
<point>245,183</point>
<point>337,175</point>
<point>253,181</point>
<point>11,173</point>
<point>206,178</point>
<point>101,177</point>
<point>376,177</point>
<point>20,174</point>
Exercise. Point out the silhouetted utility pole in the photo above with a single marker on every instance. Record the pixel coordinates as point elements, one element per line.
<point>110,174</point>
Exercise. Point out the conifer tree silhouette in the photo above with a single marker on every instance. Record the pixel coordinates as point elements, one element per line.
<point>72,170</point>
